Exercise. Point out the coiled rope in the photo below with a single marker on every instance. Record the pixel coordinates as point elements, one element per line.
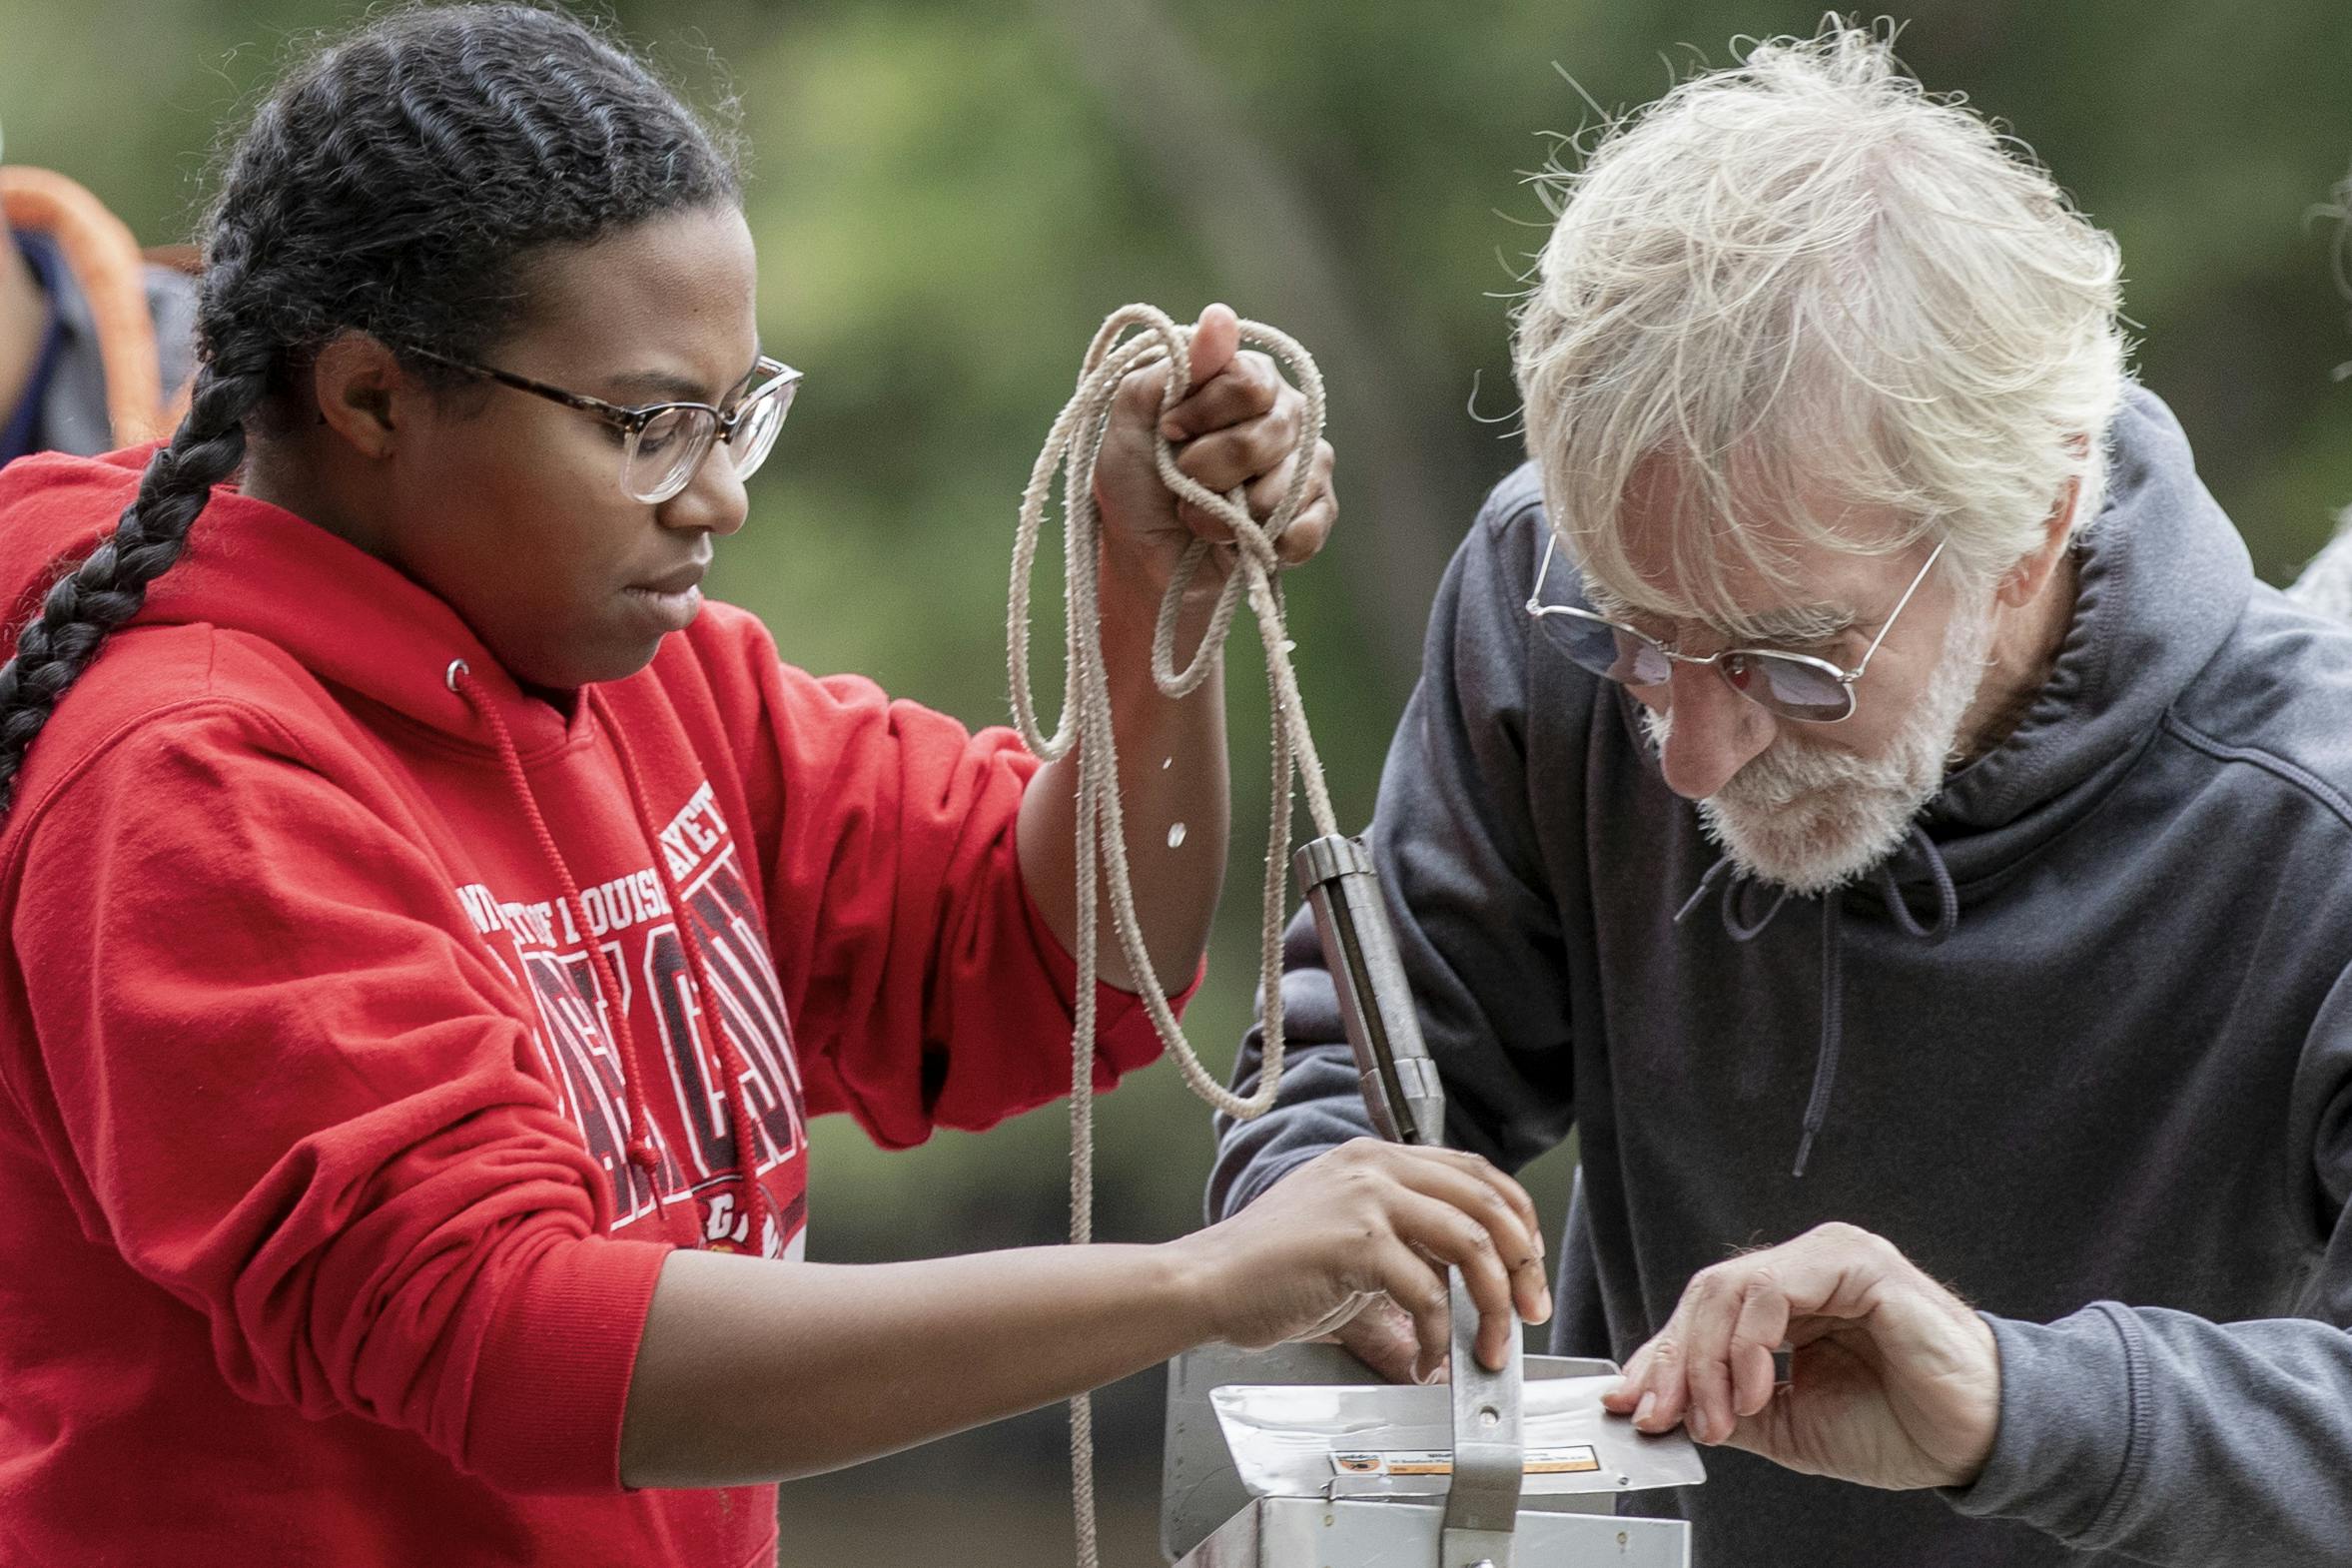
<point>1071,447</point>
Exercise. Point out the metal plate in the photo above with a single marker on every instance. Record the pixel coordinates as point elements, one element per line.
<point>1200,1488</point>
<point>1305,1532</point>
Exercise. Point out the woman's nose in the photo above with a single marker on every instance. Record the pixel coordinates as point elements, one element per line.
<point>713,502</point>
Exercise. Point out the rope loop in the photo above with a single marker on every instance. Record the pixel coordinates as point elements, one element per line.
<point>1071,449</point>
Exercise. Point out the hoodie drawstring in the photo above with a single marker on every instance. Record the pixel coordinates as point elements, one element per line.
<point>752,1198</point>
<point>641,1152</point>
<point>1740,928</point>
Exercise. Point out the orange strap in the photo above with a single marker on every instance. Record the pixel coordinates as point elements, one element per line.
<point>107,264</point>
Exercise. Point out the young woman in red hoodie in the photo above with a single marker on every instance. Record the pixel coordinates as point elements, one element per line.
<point>430,925</point>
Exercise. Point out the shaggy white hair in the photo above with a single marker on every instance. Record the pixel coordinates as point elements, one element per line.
<point>1807,287</point>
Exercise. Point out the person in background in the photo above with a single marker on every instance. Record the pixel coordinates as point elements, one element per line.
<point>97,341</point>
<point>1856,781</point>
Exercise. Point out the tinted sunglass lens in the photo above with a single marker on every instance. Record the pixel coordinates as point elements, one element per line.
<point>1797,689</point>
<point>1594,645</point>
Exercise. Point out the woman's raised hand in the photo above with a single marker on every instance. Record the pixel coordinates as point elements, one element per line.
<point>1235,428</point>
<point>1371,1219</point>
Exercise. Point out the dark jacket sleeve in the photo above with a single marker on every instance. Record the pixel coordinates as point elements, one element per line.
<point>2190,1443</point>
<point>1477,923</point>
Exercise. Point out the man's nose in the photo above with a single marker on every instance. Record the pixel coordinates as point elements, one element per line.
<point>1715,733</point>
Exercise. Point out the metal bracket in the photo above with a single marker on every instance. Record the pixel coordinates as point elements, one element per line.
<point>1406,1099</point>
<point>1482,1504</point>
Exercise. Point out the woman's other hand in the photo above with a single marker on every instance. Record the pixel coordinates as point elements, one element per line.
<point>1371,1219</point>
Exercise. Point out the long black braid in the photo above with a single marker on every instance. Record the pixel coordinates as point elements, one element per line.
<point>391,185</point>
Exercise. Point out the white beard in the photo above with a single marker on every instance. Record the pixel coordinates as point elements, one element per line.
<point>1811,819</point>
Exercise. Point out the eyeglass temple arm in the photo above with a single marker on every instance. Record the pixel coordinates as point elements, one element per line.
<point>1887,624</point>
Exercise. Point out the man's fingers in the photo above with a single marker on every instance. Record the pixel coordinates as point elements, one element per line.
<point>1665,1394</point>
<point>1710,1367</point>
<point>1381,1337</point>
<point>1761,1328</point>
<point>1710,1311</point>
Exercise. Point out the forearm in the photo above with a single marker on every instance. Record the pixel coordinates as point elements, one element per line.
<point>1172,771</point>
<point>2175,1440</point>
<point>753,1370</point>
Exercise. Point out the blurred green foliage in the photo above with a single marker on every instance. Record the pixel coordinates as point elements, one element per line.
<point>949,197</point>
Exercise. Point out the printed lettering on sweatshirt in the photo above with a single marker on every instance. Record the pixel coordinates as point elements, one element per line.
<point>630,918</point>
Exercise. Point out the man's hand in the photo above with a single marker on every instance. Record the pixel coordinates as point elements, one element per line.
<point>1379,1333</point>
<point>1895,1381</point>
<point>1234,428</point>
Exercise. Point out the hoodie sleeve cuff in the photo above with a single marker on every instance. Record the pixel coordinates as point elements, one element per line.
<point>2067,1452</point>
<point>1260,1178</point>
<point>553,1378</point>
<point>1123,1036</point>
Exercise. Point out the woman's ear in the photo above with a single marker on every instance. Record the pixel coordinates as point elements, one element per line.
<point>359,388</point>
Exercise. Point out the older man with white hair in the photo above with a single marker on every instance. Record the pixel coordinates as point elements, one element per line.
<point>1858,778</point>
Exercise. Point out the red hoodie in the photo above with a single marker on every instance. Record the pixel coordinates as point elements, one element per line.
<point>321,1241</point>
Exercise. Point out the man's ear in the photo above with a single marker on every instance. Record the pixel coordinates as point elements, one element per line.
<point>361,392</point>
<point>2028,577</point>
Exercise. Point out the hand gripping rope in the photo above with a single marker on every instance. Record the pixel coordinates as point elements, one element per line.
<point>1072,446</point>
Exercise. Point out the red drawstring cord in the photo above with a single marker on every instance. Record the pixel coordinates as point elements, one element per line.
<point>754,1197</point>
<point>641,1152</point>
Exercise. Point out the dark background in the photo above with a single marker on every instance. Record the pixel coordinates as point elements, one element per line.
<point>949,198</point>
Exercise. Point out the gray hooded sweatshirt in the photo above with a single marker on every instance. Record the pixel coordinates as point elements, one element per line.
<point>2082,1047</point>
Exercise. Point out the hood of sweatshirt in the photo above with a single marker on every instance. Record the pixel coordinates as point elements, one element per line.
<point>2161,578</point>
<point>351,619</point>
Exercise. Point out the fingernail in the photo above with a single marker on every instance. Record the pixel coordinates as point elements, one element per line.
<point>1173,431</point>
<point>1546,1300</point>
<point>1643,1411</point>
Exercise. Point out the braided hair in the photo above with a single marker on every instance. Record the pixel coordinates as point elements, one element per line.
<point>390,184</point>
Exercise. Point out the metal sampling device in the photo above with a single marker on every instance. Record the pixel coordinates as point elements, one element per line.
<point>1333,1489</point>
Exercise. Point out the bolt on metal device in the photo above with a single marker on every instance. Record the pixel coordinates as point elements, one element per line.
<point>1332,1490</point>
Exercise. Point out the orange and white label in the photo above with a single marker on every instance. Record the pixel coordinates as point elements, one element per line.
<point>1438,1461</point>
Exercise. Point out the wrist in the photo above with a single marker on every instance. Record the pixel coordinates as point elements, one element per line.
<point>1980,1422</point>
<point>1190,1285</point>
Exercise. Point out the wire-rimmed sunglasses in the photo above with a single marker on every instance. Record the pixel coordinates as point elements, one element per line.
<point>1790,685</point>
<point>663,443</point>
